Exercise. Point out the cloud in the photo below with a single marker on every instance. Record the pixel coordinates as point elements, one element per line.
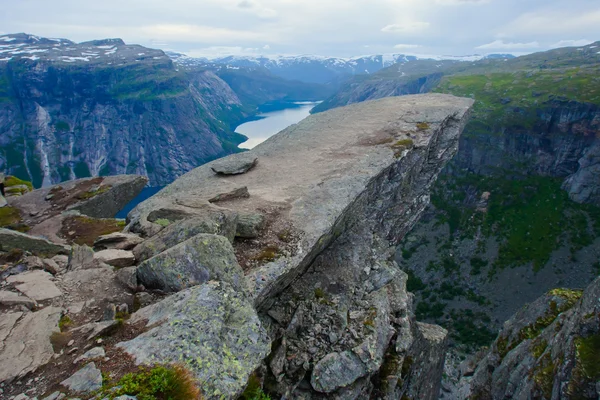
<point>461,2</point>
<point>266,47</point>
<point>257,9</point>
<point>571,43</point>
<point>502,45</point>
<point>196,33</point>
<point>411,26</point>
<point>222,51</point>
<point>407,46</point>
<point>553,22</point>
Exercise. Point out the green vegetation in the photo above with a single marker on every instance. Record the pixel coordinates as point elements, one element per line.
<point>543,375</point>
<point>268,254</point>
<point>530,216</point>
<point>64,323</point>
<point>254,390</point>
<point>414,283</point>
<point>156,383</point>
<point>163,222</point>
<point>422,126</point>
<point>14,181</point>
<point>470,328</point>
<point>538,348</point>
<point>588,356</point>
<point>62,126</point>
<point>10,218</point>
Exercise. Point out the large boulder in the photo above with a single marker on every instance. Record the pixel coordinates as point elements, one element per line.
<point>235,164</point>
<point>217,330</point>
<point>117,240</point>
<point>203,218</point>
<point>200,259</point>
<point>25,341</point>
<point>116,258</point>
<point>12,240</point>
<point>86,380</point>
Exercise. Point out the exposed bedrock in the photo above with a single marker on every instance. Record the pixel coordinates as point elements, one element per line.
<point>336,192</point>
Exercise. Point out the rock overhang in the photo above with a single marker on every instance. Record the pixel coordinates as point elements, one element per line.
<point>312,172</point>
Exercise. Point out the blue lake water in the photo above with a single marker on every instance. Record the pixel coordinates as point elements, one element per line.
<point>263,126</point>
<point>272,122</point>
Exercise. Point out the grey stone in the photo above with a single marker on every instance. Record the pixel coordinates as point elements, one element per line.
<point>11,240</point>
<point>110,312</point>
<point>96,352</point>
<point>86,380</point>
<point>26,346</point>
<point>249,225</point>
<point>206,219</point>
<point>36,285</point>
<point>13,299</point>
<point>128,277</point>
<point>116,258</point>
<point>82,257</point>
<point>51,266</point>
<point>106,204</point>
<point>144,299</point>
<point>61,260</point>
<point>94,329</point>
<point>117,240</point>
<point>197,260</point>
<point>234,165</point>
<point>3,202</point>
<point>217,329</point>
<point>337,370</point>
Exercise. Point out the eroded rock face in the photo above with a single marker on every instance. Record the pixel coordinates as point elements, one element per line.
<point>217,329</point>
<point>547,350</point>
<point>339,189</point>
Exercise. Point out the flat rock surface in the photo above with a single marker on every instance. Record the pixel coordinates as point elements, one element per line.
<point>36,285</point>
<point>27,344</point>
<point>314,170</point>
<point>118,240</point>
<point>12,299</point>
<point>116,258</point>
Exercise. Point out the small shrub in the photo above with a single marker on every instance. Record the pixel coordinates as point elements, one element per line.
<point>59,340</point>
<point>268,254</point>
<point>319,293</point>
<point>156,383</point>
<point>422,126</point>
<point>64,323</point>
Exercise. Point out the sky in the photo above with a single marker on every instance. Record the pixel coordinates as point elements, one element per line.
<point>338,28</point>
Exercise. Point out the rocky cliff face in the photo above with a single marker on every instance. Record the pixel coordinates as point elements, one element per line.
<point>548,350</point>
<point>317,215</point>
<point>102,108</point>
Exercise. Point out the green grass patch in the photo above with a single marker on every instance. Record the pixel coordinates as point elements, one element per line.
<point>154,383</point>
<point>14,181</point>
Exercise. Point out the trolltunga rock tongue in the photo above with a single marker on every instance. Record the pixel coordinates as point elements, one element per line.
<point>328,199</point>
<point>312,173</point>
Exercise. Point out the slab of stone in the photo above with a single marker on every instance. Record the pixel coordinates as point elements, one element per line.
<point>217,329</point>
<point>14,299</point>
<point>96,352</point>
<point>82,257</point>
<point>200,259</point>
<point>117,240</point>
<point>36,285</point>
<point>319,171</point>
<point>28,346</point>
<point>94,329</point>
<point>86,380</point>
<point>11,240</point>
<point>234,165</point>
<point>7,323</point>
<point>116,258</point>
<point>3,202</point>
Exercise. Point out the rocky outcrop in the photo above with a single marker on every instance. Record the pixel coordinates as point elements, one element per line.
<point>548,350</point>
<point>335,192</point>
<point>217,329</point>
<point>10,240</point>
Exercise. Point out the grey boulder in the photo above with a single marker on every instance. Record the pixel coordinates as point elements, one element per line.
<point>117,240</point>
<point>116,258</point>
<point>11,240</point>
<point>217,329</point>
<point>86,380</point>
<point>234,165</point>
<point>249,225</point>
<point>197,260</point>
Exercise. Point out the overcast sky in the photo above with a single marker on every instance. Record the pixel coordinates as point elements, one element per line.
<point>342,28</point>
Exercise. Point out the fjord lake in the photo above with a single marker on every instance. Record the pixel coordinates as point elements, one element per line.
<point>273,119</point>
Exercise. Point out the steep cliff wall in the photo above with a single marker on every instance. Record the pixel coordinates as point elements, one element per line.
<point>315,218</point>
<point>103,108</point>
